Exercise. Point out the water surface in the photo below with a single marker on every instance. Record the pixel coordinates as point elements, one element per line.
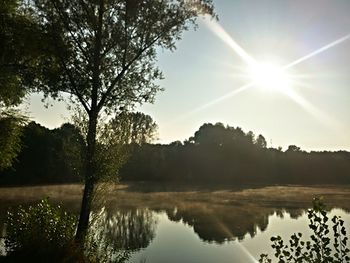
<point>197,225</point>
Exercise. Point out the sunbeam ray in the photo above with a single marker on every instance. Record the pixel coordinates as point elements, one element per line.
<point>318,51</point>
<point>224,97</point>
<point>218,30</point>
<point>211,103</point>
<point>230,235</point>
<point>311,109</point>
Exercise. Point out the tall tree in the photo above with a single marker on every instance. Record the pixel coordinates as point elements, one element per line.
<point>19,60</point>
<point>103,54</point>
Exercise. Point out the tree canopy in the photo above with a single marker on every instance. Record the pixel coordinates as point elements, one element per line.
<point>11,125</point>
<point>21,51</point>
<point>104,52</point>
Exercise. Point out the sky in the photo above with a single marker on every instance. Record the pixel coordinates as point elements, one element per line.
<point>205,75</point>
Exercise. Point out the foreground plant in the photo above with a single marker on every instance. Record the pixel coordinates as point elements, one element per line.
<point>40,231</point>
<point>323,247</point>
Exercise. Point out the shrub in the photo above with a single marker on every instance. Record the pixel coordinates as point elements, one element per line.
<point>39,230</point>
<point>322,247</point>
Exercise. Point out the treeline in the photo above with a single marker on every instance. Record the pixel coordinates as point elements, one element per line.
<point>224,154</point>
<point>215,154</point>
<point>47,156</point>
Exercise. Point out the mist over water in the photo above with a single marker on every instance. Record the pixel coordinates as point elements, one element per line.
<point>198,225</point>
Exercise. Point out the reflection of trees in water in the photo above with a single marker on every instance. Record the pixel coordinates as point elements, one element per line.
<point>114,232</point>
<point>129,229</point>
<point>220,223</point>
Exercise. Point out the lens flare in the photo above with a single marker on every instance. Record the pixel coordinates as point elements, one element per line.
<point>220,32</point>
<point>266,75</point>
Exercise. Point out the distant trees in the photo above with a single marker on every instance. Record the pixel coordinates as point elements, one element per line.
<point>293,148</point>
<point>50,156</point>
<point>132,128</point>
<point>216,154</point>
<point>47,156</point>
<point>224,154</point>
<point>261,142</point>
<point>57,156</point>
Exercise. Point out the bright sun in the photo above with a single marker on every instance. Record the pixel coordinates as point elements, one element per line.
<point>269,77</point>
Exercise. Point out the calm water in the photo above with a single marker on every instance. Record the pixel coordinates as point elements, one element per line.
<point>192,232</point>
<point>177,241</point>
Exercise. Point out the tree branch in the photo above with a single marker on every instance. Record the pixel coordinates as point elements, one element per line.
<point>122,72</point>
<point>70,77</point>
<point>66,24</point>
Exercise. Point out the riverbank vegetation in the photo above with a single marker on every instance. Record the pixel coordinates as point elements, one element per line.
<point>327,243</point>
<point>216,154</point>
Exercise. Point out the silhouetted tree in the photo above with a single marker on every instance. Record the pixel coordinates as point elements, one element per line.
<point>293,148</point>
<point>47,156</point>
<point>52,156</point>
<point>132,128</point>
<point>103,54</point>
<point>261,142</point>
<point>11,125</point>
<point>220,154</point>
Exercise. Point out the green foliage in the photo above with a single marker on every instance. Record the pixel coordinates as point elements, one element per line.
<point>46,156</point>
<point>131,128</point>
<point>41,228</point>
<point>11,126</point>
<point>21,54</point>
<point>68,152</point>
<point>116,136</point>
<point>114,139</point>
<point>322,247</point>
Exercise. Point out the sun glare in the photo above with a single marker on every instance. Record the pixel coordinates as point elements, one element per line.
<point>269,77</point>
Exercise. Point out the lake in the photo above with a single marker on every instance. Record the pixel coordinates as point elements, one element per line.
<point>177,223</point>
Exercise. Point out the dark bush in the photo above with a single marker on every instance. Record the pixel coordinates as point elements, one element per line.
<point>39,232</point>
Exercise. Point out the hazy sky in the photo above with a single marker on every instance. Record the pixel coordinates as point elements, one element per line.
<point>204,68</point>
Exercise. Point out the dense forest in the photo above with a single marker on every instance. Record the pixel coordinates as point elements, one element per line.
<point>215,154</point>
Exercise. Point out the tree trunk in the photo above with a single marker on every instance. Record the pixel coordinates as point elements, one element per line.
<point>90,172</point>
<point>90,180</point>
